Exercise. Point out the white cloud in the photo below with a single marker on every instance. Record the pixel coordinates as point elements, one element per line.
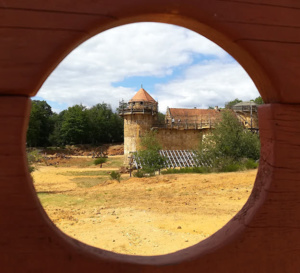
<point>210,84</point>
<point>87,75</point>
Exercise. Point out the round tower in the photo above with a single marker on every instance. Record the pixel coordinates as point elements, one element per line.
<point>139,115</point>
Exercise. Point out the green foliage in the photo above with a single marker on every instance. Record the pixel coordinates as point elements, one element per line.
<point>151,161</point>
<point>149,142</point>
<point>161,118</point>
<point>33,156</point>
<point>187,170</point>
<point>230,147</point>
<point>259,100</point>
<point>230,140</point>
<point>139,173</point>
<point>100,161</point>
<point>76,125</point>
<point>226,164</point>
<point>223,164</point>
<point>251,164</point>
<point>55,137</point>
<point>148,155</point>
<point>232,103</point>
<point>40,124</point>
<point>115,176</point>
<point>104,125</point>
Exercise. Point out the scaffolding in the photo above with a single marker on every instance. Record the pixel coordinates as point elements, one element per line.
<point>177,159</point>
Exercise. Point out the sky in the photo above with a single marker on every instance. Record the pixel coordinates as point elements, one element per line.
<point>177,67</point>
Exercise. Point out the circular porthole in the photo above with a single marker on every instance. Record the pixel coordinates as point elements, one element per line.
<point>76,115</point>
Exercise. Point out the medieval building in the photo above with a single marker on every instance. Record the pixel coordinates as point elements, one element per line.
<point>182,129</point>
<point>139,114</point>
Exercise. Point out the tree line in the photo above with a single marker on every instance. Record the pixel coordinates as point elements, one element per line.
<point>75,125</point>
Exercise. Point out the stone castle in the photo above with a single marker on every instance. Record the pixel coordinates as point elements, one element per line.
<point>182,129</point>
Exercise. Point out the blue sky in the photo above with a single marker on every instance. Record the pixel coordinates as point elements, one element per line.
<point>178,67</point>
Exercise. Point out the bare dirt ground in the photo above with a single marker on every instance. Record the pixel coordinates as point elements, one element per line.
<point>140,216</point>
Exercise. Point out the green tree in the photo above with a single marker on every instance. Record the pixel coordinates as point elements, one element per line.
<point>74,128</point>
<point>229,139</point>
<point>232,103</point>
<point>40,124</point>
<point>104,125</point>
<point>56,138</point>
<point>259,100</point>
<point>161,118</point>
<point>148,154</point>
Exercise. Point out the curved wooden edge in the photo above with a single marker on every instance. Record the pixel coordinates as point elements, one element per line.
<point>28,230</point>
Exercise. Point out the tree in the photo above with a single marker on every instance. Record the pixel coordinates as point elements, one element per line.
<point>148,154</point>
<point>40,124</point>
<point>229,139</point>
<point>259,100</point>
<point>161,118</point>
<point>74,128</point>
<point>104,125</point>
<point>56,137</point>
<point>232,103</point>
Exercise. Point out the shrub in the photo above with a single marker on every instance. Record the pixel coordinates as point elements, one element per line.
<point>229,147</point>
<point>31,169</point>
<point>251,164</point>
<point>115,176</point>
<point>148,155</point>
<point>227,164</point>
<point>231,167</point>
<point>230,140</point>
<point>100,161</point>
<point>33,156</point>
<point>139,173</point>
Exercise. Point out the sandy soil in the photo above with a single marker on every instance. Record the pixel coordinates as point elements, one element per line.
<point>142,216</point>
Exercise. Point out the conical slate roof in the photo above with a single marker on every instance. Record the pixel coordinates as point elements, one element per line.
<point>142,95</point>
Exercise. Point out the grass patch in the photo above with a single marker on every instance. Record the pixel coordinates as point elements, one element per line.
<point>115,162</point>
<point>59,200</point>
<point>88,182</point>
<point>235,166</point>
<point>84,173</point>
<point>187,170</point>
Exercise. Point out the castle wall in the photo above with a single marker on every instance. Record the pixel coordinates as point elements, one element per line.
<point>173,139</point>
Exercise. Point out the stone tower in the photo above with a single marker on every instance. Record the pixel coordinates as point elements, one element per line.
<point>139,114</point>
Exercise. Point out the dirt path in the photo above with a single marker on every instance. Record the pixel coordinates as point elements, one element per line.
<point>142,216</point>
